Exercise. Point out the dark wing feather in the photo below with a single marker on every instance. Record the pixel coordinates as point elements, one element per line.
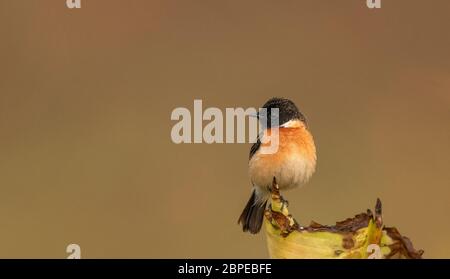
<point>254,148</point>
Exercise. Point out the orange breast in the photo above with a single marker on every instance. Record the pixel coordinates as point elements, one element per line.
<point>292,165</point>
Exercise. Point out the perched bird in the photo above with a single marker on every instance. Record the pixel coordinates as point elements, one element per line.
<point>292,165</point>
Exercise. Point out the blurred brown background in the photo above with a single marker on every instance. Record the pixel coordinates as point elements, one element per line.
<point>86,97</point>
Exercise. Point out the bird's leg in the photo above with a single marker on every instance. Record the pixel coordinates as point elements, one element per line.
<point>276,190</point>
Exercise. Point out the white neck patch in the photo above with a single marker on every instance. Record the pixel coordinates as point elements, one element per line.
<point>291,124</point>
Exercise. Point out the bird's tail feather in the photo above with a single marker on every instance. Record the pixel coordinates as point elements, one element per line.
<point>253,215</point>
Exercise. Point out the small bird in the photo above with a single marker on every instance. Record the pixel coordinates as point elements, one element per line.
<point>292,165</point>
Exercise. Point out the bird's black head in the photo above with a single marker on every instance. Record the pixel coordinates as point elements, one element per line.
<point>287,111</point>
